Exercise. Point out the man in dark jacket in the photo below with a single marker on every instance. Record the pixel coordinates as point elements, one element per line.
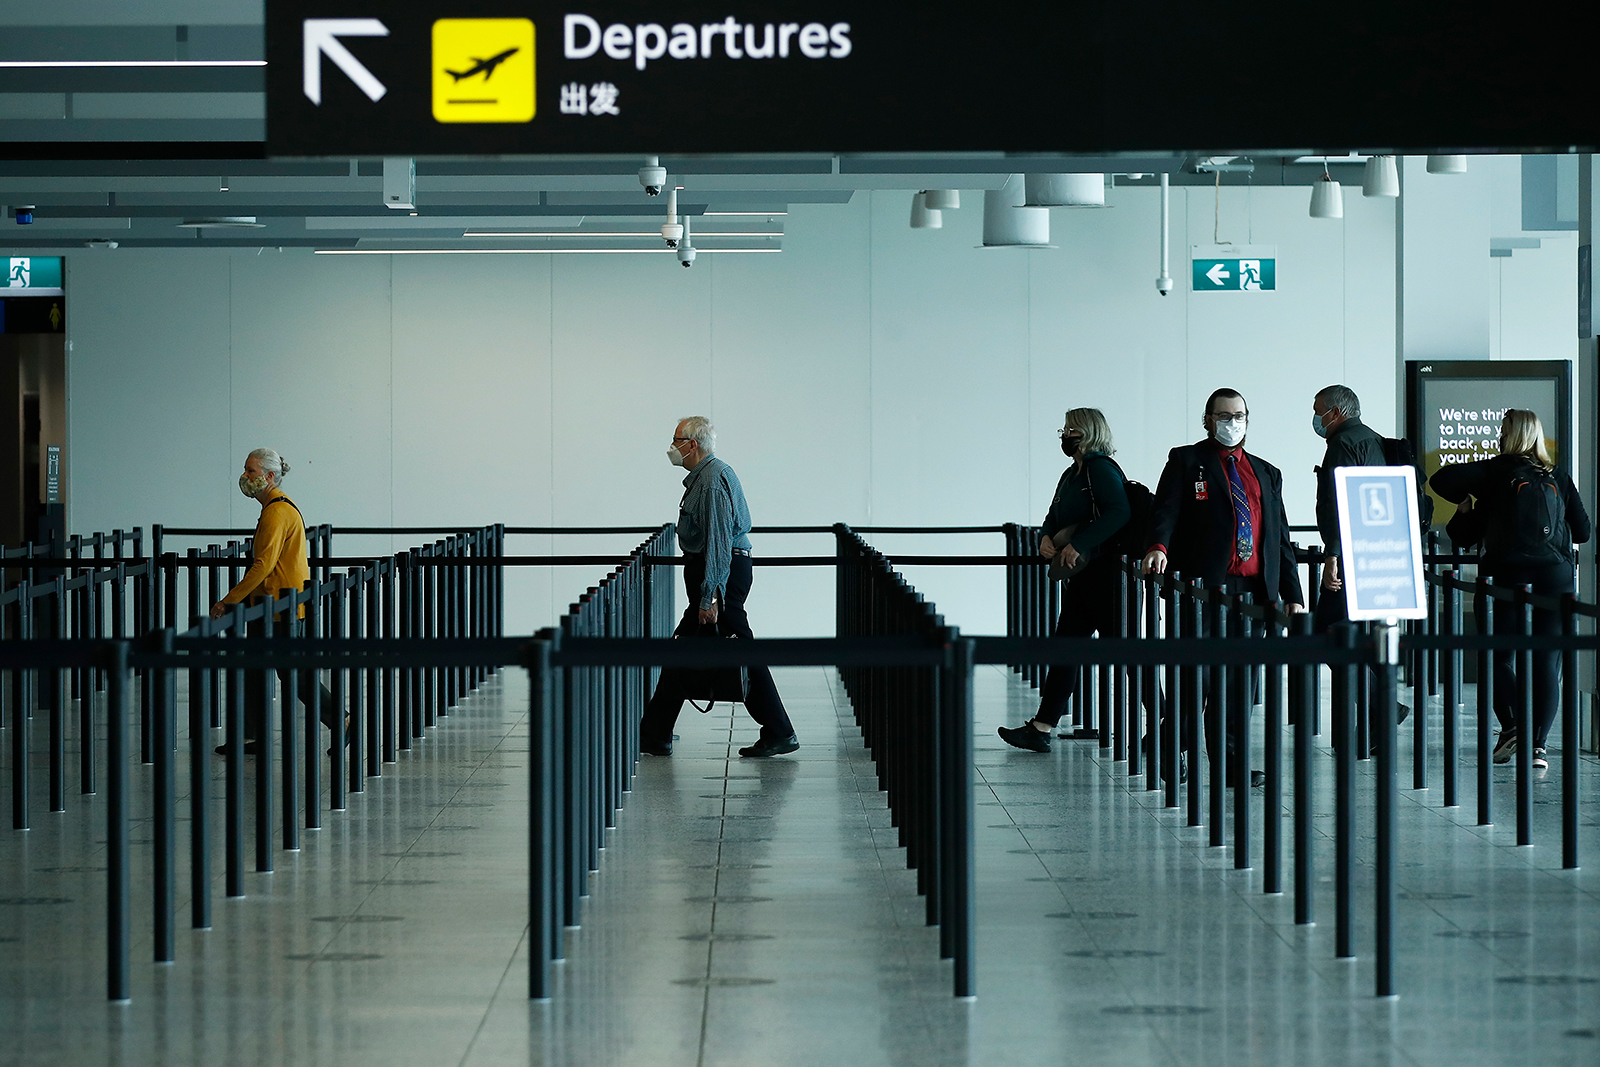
<point>1219,517</point>
<point>1336,416</point>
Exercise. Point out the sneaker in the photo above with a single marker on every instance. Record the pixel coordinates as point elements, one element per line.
<point>1506,747</point>
<point>655,748</point>
<point>1025,736</point>
<point>1539,761</point>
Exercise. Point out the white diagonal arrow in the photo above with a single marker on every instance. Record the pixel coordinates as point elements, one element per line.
<point>1216,273</point>
<point>322,36</point>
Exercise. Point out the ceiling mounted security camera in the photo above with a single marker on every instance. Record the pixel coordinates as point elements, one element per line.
<point>653,176</point>
<point>672,229</point>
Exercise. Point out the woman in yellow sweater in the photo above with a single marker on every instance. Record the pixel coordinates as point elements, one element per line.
<point>280,565</point>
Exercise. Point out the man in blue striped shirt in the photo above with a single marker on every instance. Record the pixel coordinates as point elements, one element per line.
<point>714,533</point>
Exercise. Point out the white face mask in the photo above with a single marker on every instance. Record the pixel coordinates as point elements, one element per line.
<point>1228,434</point>
<point>674,457</point>
<point>251,487</point>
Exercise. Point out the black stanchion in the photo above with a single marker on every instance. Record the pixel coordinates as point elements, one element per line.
<point>118,911</point>
<point>1486,613</point>
<point>1214,720</point>
<point>1344,787</point>
<point>541,860</point>
<point>1239,692</point>
<point>1523,694</point>
<point>263,684</point>
<point>233,798</point>
<point>1387,826</point>
<point>164,786</point>
<point>1450,677</point>
<point>1569,738</point>
<point>1304,800</point>
<point>1272,765</point>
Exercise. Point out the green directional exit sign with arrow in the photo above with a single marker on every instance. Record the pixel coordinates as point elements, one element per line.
<point>1234,268</point>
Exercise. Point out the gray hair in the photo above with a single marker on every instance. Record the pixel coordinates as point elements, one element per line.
<point>700,429</point>
<point>272,463</point>
<point>1342,397</point>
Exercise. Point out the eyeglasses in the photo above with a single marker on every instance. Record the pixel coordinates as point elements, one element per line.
<point>683,439</point>
<point>1231,416</point>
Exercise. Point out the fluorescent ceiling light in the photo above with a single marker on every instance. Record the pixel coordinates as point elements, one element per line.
<point>631,233</point>
<point>744,213</point>
<point>15,63</point>
<point>524,251</point>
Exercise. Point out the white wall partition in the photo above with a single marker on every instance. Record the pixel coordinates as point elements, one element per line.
<point>869,374</point>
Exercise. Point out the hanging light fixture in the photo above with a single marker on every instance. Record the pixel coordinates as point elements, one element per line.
<point>941,199</point>
<point>1381,177</point>
<point>1008,224</point>
<point>1065,190</point>
<point>1327,202</point>
<point>923,217</point>
<point>1447,164</point>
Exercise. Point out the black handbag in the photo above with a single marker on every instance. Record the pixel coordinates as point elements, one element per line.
<point>1059,572</point>
<point>711,684</point>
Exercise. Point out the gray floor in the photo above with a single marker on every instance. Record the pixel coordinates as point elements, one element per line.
<point>759,912</point>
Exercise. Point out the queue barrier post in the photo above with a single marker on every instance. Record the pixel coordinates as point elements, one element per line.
<point>1570,764</point>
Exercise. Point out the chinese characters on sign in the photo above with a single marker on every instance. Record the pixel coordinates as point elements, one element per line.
<point>597,99</point>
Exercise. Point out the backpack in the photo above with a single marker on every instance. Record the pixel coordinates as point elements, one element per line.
<point>1397,452</point>
<point>1529,524</point>
<point>1134,537</point>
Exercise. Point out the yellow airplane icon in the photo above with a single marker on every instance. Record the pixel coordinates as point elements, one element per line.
<point>502,51</point>
<point>483,66</point>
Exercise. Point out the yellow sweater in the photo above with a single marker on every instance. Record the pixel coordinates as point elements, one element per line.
<point>280,554</point>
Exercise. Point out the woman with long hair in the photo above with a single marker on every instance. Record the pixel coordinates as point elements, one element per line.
<point>1527,515</point>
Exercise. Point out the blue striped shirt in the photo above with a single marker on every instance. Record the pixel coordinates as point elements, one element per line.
<point>713,518</point>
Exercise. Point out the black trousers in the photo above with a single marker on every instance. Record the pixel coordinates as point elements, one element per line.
<point>1509,686</point>
<point>1088,605</point>
<point>310,689</point>
<point>762,702</point>
<point>1232,585</point>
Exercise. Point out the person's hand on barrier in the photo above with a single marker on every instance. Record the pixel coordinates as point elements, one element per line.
<point>1047,547</point>
<point>1155,562</point>
<point>219,609</point>
<point>1297,609</point>
<point>708,616</point>
<point>1069,557</point>
<point>1330,575</point>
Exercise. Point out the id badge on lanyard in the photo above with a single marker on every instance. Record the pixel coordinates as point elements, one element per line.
<point>1200,489</point>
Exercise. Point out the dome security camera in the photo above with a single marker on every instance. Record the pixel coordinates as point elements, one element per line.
<point>1164,285</point>
<point>686,255</point>
<point>672,233</point>
<point>653,176</point>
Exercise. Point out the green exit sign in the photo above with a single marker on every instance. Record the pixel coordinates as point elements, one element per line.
<point>33,273</point>
<point>1234,268</point>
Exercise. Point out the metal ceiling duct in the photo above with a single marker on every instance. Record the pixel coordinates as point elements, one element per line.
<point>1065,190</point>
<point>1008,224</point>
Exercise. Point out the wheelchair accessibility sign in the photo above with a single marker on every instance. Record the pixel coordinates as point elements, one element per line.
<point>1380,542</point>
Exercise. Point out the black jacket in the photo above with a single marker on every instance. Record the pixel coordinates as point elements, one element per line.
<point>1093,484</point>
<point>1490,481</point>
<point>1352,444</point>
<point>1198,534</point>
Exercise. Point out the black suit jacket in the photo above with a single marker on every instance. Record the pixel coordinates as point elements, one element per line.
<point>1198,534</point>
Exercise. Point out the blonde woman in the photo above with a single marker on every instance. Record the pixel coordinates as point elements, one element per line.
<point>1527,515</point>
<point>1092,499</point>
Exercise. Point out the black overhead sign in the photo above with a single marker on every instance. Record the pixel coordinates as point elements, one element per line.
<point>526,76</point>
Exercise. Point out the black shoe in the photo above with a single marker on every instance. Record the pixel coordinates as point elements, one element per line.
<point>1025,736</point>
<point>1402,713</point>
<point>772,746</point>
<point>655,748</point>
<point>1258,779</point>
<point>251,748</point>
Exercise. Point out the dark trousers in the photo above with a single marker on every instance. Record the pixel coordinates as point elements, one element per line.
<point>1233,585</point>
<point>762,701</point>
<point>310,689</point>
<point>1331,610</point>
<point>1509,685</point>
<point>1088,605</point>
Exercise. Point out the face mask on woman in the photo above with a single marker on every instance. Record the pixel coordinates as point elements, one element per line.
<point>1071,443</point>
<point>251,487</point>
<point>1228,434</point>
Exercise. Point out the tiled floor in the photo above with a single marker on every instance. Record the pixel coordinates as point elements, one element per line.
<point>759,912</point>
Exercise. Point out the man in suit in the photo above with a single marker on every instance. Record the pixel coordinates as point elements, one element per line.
<point>1219,517</point>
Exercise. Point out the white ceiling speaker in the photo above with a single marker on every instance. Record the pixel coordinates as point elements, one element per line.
<point>1447,164</point>
<point>223,222</point>
<point>1327,202</point>
<point>1008,224</point>
<point>1065,190</point>
<point>941,199</point>
<point>922,216</point>
<point>1381,177</point>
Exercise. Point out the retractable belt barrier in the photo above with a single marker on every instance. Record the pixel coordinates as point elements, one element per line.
<point>407,636</point>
